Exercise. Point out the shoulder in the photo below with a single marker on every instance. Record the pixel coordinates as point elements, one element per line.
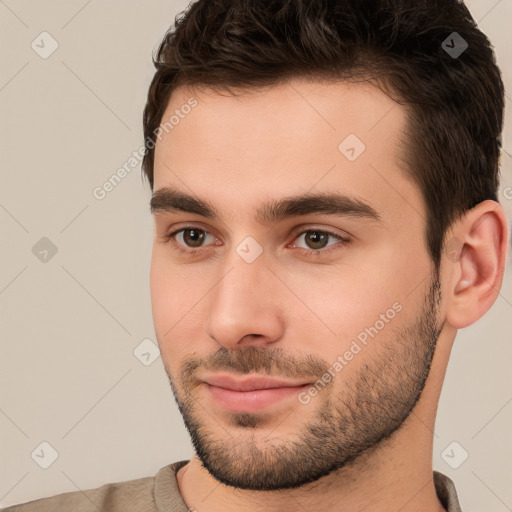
<point>446,492</point>
<point>132,495</point>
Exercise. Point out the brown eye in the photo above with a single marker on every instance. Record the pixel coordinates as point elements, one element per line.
<point>190,240</point>
<point>316,239</point>
<point>193,237</point>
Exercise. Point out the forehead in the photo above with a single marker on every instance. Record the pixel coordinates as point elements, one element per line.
<point>287,139</point>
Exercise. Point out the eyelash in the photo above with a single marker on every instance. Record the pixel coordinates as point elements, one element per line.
<point>170,239</point>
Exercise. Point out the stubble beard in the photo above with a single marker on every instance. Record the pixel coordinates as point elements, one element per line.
<point>373,405</point>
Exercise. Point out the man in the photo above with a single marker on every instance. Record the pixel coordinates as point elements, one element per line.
<point>324,179</point>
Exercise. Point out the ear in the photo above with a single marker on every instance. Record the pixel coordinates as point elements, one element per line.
<point>475,256</point>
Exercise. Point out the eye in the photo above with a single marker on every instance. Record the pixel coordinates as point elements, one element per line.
<point>315,239</point>
<point>189,238</point>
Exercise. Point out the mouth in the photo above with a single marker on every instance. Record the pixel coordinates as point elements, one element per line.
<point>250,394</point>
<point>250,383</point>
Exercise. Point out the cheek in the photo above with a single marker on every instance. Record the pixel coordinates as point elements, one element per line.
<point>175,299</point>
<point>162,298</point>
<point>365,295</point>
<point>168,296</point>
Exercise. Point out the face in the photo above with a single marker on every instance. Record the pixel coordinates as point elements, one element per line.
<point>289,244</point>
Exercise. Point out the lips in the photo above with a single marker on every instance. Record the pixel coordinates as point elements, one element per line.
<point>251,393</point>
<point>250,383</point>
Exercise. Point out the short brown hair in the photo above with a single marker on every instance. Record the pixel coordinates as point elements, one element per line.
<point>455,104</point>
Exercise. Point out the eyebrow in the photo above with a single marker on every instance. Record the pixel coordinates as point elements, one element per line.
<point>168,200</point>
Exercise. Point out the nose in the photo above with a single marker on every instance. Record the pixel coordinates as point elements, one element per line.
<point>244,308</point>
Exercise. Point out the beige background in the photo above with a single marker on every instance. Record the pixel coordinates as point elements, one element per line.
<point>69,326</point>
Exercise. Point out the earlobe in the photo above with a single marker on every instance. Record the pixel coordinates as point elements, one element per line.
<point>478,266</point>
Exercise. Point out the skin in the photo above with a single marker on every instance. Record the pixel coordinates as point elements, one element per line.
<point>366,439</point>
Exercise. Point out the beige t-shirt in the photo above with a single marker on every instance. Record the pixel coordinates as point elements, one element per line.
<point>161,494</point>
